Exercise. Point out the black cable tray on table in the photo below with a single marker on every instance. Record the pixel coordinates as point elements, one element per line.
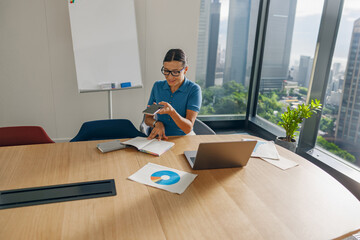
<point>56,193</point>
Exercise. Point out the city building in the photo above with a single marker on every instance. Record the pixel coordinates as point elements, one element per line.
<point>348,128</point>
<point>334,98</point>
<point>237,40</point>
<point>278,44</point>
<point>203,40</point>
<point>213,42</point>
<point>304,71</point>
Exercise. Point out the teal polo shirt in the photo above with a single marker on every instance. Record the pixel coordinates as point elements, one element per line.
<point>188,96</point>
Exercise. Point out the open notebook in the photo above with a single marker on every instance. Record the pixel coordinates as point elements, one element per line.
<point>153,146</point>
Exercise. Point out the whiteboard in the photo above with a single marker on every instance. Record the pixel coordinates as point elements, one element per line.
<point>105,43</point>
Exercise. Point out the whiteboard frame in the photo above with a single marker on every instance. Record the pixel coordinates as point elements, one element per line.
<point>105,44</point>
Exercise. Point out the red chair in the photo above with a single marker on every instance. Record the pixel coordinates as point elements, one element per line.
<point>23,135</point>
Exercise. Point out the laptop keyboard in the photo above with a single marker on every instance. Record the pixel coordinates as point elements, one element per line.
<point>192,159</point>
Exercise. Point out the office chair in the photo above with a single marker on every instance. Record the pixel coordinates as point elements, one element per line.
<point>199,128</point>
<point>23,135</point>
<point>145,128</point>
<point>107,129</point>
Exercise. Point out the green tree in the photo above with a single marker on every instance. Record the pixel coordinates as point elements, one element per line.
<point>327,125</point>
<point>269,107</point>
<point>333,148</point>
<point>231,98</point>
<point>303,91</point>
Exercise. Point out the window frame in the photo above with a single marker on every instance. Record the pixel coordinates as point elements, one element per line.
<point>327,36</point>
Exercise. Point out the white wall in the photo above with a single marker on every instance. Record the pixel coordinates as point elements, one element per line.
<point>37,70</point>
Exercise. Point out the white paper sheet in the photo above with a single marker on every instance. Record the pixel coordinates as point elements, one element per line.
<point>282,163</point>
<point>264,149</point>
<point>165,178</point>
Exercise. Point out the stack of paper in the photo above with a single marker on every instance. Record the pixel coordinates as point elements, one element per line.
<point>165,178</point>
<point>266,150</point>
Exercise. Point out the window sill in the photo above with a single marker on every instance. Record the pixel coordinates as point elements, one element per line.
<point>335,162</point>
<point>221,117</point>
<point>348,176</point>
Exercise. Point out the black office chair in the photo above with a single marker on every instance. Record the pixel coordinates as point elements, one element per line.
<point>107,129</point>
<point>199,128</point>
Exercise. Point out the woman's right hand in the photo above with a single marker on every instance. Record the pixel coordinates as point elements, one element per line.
<point>159,131</point>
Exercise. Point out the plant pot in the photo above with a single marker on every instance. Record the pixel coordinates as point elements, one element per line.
<point>288,145</point>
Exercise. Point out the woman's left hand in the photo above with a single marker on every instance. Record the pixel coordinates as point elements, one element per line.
<point>167,109</point>
<point>158,131</point>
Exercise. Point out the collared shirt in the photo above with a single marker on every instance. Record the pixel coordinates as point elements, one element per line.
<point>187,97</point>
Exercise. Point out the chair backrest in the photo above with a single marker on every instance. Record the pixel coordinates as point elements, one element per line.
<point>107,129</point>
<point>145,128</point>
<point>23,135</point>
<point>201,128</point>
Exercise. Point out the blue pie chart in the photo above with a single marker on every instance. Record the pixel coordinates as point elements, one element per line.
<point>165,177</point>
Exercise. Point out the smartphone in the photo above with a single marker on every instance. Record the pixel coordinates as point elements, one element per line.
<point>153,109</point>
<point>110,146</point>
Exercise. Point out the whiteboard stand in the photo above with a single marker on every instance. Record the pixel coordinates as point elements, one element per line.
<point>110,95</point>
<point>110,105</point>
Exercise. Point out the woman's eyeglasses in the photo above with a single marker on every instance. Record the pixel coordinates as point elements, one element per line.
<point>174,73</point>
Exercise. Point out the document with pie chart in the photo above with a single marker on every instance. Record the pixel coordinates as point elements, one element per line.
<point>165,178</point>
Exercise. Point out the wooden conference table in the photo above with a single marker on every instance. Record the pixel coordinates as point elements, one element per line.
<point>258,201</point>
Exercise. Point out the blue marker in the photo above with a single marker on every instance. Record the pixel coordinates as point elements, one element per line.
<point>125,84</point>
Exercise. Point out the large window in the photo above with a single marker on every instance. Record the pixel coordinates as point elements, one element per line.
<point>290,43</point>
<point>340,123</point>
<point>225,50</point>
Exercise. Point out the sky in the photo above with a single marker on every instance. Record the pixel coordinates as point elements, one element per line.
<point>307,21</point>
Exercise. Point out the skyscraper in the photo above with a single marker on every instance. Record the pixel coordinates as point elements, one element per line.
<point>278,44</point>
<point>203,40</point>
<point>240,41</point>
<point>237,41</point>
<point>304,72</point>
<point>336,68</point>
<point>347,132</point>
<point>213,42</point>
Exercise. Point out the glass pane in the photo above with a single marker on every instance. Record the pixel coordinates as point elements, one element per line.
<point>225,47</point>
<point>340,123</point>
<point>291,37</point>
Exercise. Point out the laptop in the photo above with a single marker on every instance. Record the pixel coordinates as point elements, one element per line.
<point>220,155</point>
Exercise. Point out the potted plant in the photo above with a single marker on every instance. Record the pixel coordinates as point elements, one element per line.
<point>291,120</point>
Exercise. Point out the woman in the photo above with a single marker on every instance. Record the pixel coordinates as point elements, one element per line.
<point>181,99</point>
